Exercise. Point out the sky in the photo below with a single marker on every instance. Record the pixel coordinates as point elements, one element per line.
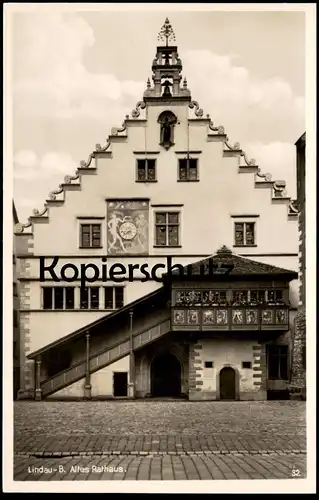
<point>76,74</point>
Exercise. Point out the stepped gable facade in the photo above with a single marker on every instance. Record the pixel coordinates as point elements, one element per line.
<point>167,184</point>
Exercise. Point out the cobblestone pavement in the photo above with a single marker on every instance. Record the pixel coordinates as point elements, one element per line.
<point>164,439</point>
<point>161,467</point>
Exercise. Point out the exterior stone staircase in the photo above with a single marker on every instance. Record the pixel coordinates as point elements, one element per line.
<point>104,358</point>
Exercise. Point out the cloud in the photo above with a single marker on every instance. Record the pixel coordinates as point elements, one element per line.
<point>278,159</point>
<point>24,160</point>
<point>263,115</point>
<point>27,165</point>
<point>51,79</point>
<point>36,176</point>
<point>248,107</point>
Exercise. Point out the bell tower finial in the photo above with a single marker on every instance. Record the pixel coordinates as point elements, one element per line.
<point>166,33</point>
<point>167,71</point>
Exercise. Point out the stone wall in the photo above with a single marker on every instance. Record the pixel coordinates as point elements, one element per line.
<point>250,382</point>
<point>27,367</point>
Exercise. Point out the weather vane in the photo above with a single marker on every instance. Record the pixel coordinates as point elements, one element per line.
<point>166,33</point>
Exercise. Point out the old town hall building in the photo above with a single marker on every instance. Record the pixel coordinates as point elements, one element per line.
<point>168,183</point>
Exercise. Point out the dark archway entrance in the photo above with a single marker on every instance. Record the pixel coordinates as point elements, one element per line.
<point>165,376</point>
<point>227,383</point>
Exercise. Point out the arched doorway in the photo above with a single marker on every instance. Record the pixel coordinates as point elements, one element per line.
<point>165,376</point>
<point>227,383</point>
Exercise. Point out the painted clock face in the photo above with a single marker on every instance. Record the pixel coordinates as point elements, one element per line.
<point>127,230</point>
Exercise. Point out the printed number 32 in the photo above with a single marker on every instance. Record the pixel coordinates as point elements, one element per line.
<point>295,472</point>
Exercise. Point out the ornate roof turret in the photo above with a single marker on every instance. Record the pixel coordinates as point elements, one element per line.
<point>166,33</point>
<point>167,70</point>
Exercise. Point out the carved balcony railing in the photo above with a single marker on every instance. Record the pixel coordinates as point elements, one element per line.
<point>233,318</point>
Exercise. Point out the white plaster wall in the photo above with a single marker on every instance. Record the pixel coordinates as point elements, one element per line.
<point>47,327</point>
<point>222,190</point>
<point>101,382</point>
<point>227,352</point>
<point>75,390</point>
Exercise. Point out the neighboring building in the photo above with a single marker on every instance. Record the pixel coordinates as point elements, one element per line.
<point>167,183</point>
<point>301,200</point>
<point>298,369</point>
<point>16,337</point>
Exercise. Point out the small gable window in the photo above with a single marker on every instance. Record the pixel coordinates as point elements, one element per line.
<point>90,235</point>
<point>146,170</point>
<point>188,170</point>
<point>245,234</point>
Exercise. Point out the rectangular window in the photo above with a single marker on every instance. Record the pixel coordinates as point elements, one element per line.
<point>47,298</point>
<point>274,297</point>
<point>246,364</point>
<point>209,364</point>
<point>244,233</point>
<point>187,170</point>
<point>113,297</point>
<point>84,298</point>
<point>15,289</point>
<point>119,296</point>
<point>69,297</point>
<point>90,235</point>
<point>167,229</point>
<point>89,297</point>
<point>108,297</point>
<point>277,358</point>
<point>257,297</point>
<point>240,298</point>
<point>94,298</point>
<point>214,298</point>
<point>58,297</point>
<point>146,171</point>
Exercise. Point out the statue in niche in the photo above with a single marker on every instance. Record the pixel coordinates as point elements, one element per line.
<point>167,120</point>
<point>166,135</point>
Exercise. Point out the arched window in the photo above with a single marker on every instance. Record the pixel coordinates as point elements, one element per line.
<point>167,120</point>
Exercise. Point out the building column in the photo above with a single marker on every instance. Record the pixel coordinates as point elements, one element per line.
<point>176,86</point>
<point>87,387</point>
<point>131,385</point>
<point>38,391</point>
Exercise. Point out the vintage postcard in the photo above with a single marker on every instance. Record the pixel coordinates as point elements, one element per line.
<point>159,183</point>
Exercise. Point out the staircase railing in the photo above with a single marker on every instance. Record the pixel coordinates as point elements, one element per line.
<point>104,358</point>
